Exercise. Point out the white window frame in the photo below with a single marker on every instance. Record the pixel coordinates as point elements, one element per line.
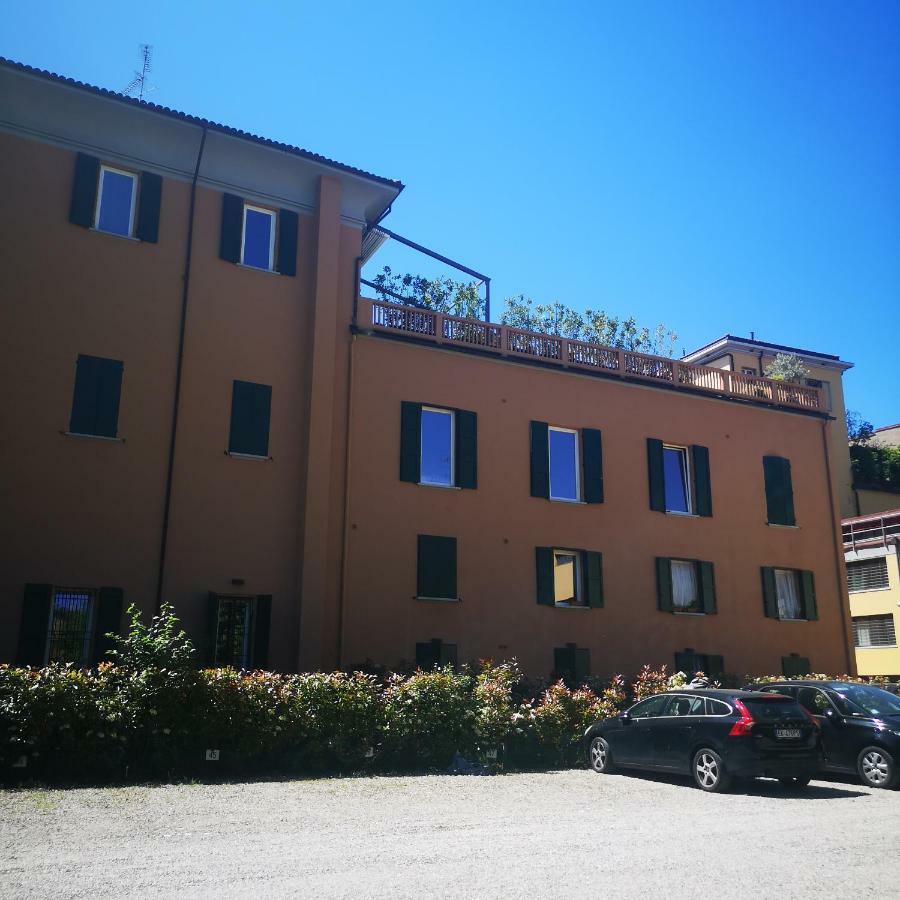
<point>580,600</point>
<point>274,217</point>
<point>689,480</point>
<point>452,414</point>
<point>798,587</point>
<point>577,497</point>
<point>134,181</point>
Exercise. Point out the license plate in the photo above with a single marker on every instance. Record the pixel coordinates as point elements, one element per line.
<point>787,733</point>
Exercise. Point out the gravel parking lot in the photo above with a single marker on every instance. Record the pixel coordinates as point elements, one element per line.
<point>555,834</point>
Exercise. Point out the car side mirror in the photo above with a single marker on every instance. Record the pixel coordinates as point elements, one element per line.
<point>624,718</point>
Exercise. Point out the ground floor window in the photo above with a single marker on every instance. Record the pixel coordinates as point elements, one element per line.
<point>240,631</point>
<point>795,666</point>
<point>690,662</point>
<point>572,664</point>
<point>71,626</point>
<point>435,654</point>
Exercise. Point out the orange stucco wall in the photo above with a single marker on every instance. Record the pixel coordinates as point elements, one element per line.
<point>88,513</point>
<point>499,525</point>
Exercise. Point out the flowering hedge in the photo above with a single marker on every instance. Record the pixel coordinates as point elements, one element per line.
<point>151,714</point>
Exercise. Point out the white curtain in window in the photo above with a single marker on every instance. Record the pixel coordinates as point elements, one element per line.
<point>684,584</point>
<point>788,595</point>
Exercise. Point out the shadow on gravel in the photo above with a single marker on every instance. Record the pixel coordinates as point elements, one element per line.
<point>756,787</point>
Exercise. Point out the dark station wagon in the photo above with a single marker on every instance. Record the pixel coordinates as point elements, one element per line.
<point>713,735</point>
<point>860,726</point>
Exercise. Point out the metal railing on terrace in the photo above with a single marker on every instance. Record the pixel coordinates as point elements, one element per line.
<point>516,343</point>
<point>871,531</point>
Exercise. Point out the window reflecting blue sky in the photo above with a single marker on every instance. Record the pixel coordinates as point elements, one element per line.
<point>258,239</point>
<point>437,443</point>
<point>563,465</point>
<point>115,203</point>
<point>675,467</point>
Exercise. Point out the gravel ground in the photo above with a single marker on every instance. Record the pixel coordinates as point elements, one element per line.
<point>544,835</point>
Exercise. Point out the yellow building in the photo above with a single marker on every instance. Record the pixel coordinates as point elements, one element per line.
<point>873,579</point>
<point>748,358</point>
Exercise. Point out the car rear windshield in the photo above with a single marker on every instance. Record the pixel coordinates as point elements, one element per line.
<point>773,709</point>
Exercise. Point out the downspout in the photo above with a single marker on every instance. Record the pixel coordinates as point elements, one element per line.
<point>839,553</point>
<point>164,537</point>
<point>346,524</point>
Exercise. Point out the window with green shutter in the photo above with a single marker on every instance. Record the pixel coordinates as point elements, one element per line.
<point>679,479</point>
<point>435,654</point>
<point>690,662</point>
<point>795,666</point>
<point>436,568</point>
<point>779,491</point>
<point>95,400</point>
<point>438,446</point>
<point>251,406</point>
<point>789,594</point>
<point>685,586</point>
<point>572,664</point>
<point>569,578</point>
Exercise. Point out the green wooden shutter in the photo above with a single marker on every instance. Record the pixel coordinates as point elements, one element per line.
<point>110,390</point>
<point>656,475</point>
<point>779,490</point>
<point>466,449</point>
<point>84,190</point>
<point>447,654</point>
<point>686,662</point>
<point>593,569</point>
<point>702,484</point>
<point>251,406</point>
<point>715,667</point>
<point>543,557</point>
<point>411,442</point>
<point>707,587</point>
<point>808,586</point>
<point>592,465</point>
<point>212,627</point>
<point>770,596</point>
<point>582,663</point>
<point>35,625</point>
<point>262,622</point>
<point>540,460</point>
<point>794,666</point>
<point>288,224</point>
<point>564,661</point>
<point>147,226</point>
<point>664,583</point>
<point>95,399</point>
<point>107,620</point>
<point>436,568</point>
<point>232,225</point>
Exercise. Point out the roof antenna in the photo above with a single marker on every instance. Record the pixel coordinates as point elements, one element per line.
<point>752,335</point>
<point>139,84</point>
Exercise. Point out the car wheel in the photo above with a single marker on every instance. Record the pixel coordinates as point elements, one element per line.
<point>795,783</point>
<point>876,767</point>
<point>600,756</point>
<point>709,771</point>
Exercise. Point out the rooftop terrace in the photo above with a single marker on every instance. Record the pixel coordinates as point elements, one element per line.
<point>473,335</point>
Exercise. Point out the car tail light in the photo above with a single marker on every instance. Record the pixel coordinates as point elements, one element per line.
<point>744,724</point>
<point>810,716</point>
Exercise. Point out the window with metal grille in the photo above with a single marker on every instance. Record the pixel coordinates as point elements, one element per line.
<point>867,574</point>
<point>233,632</point>
<point>874,631</point>
<point>71,620</point>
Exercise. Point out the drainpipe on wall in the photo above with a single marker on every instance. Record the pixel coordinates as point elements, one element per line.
<point>189,243</point>
<point>839,555</point>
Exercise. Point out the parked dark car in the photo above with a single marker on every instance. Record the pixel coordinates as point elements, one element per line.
<point>860,726</point>
<point>713,735</point>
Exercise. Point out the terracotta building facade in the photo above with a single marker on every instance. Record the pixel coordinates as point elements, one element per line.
<point>203,410</point>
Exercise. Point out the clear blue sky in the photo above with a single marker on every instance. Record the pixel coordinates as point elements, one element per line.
<point>720,166</point>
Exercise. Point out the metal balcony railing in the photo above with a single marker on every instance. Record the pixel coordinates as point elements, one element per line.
<point>871,531</point>
<point>516,343</point>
